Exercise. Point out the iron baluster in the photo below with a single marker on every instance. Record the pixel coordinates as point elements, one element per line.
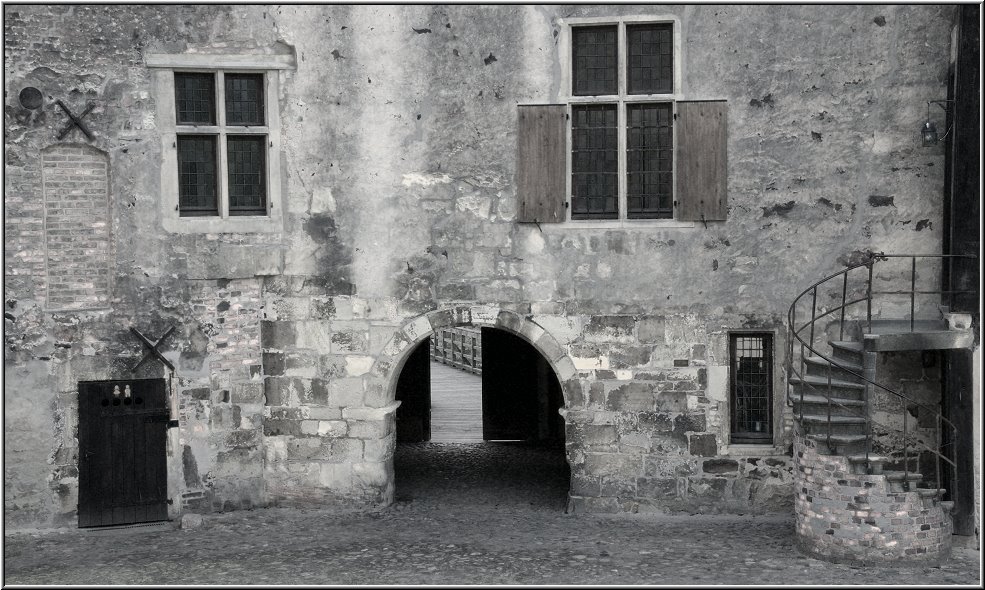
<point>844,293</point>
<point>868,296</point>
<point>913,288</point>
<point>906,458</point>
<point>829,406</point>
<point>937,458</point>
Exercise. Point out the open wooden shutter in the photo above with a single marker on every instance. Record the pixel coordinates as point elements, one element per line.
<point>541,163</point>
<point>702,163</point>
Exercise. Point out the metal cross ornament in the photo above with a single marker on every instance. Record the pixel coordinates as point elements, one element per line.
<point>75,121</point>
<point>152,348</point>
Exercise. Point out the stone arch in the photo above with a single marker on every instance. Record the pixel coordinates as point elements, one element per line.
<point>389,364</point>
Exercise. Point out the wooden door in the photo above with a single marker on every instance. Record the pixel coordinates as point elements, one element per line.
<point>122,452</point>
<point>509,387</point>
<point>414,394</point>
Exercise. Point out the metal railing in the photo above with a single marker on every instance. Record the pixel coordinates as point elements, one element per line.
<point>944,451</point>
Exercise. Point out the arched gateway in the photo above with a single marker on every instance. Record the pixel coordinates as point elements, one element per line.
<point>386,370</point>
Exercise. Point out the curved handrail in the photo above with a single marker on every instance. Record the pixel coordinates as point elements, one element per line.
<point>907,402</point>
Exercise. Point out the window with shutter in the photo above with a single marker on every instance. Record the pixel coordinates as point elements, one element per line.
<point>635,150</point>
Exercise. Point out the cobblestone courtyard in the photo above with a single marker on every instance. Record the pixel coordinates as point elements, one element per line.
<point>464,514</point>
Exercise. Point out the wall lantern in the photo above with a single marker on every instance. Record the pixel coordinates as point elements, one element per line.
<point>929,130</point>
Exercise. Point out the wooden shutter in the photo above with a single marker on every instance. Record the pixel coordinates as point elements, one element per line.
<point>541,163</point>
<point>702,143</point>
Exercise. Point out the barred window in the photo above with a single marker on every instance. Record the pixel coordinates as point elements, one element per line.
<point>221,134</point>
<point>594,164</point>
<point>622,121</point>
<point>751,387</point>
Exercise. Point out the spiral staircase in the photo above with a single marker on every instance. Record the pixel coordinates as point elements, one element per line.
<point>873,463</point>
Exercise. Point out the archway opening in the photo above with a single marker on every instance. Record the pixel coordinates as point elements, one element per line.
<point>479,423</point>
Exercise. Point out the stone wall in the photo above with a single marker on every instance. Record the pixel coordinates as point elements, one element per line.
<point>397,165</point>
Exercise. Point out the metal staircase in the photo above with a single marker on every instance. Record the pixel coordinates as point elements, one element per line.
<point>831,368</point>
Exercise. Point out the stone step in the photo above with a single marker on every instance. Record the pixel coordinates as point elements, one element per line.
<point>931,492</point>
<point>875,462</point>
<point>819,425</point>
<point>900,475</point>
<point>818,404</point>
<point>847,350</point>
<point>841,444</point>
<point>818,367</point>
<point>821,386</point>
<point>947,505</point>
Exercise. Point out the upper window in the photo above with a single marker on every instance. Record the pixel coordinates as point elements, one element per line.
<point>220,136</point>
<point>221,143</point>
<point>622,113</point>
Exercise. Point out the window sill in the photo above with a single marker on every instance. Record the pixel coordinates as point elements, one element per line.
<point>618,224</point>
<point>752,450</point>
<point>219,225</point>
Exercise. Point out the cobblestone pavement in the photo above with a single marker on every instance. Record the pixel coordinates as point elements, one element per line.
<point>481,514</point>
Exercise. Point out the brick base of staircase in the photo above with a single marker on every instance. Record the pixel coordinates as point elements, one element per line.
<point>846,517</point>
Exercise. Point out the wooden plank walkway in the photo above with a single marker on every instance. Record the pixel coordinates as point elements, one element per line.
<point>456,405</point>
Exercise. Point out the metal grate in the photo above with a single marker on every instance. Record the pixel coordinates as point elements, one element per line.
<point>244,99</point>
<point>594,162</point>
<point>751,356</point>
<point>594,60</point>
<point>194,99</point>
<point>197,175</point>
<point>245,155</point>
<point>650,63</point>
<point>649,161</point>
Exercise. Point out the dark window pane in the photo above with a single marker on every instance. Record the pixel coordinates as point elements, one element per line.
<point>194,96</point>
<point>649,159</point>
<point>594,158</point>
<point>594,60</point>
<point>244,99</point>
<point>246,158</point>
<point>197,175</point>
<point>751,357</point>
<point>650,62</point>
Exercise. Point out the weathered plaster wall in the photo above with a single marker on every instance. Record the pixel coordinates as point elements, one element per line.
<point>398,133</point>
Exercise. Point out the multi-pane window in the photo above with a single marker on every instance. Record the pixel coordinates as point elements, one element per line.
<point>751,387</point>
<point>221,142</point>
<point>622,112</point>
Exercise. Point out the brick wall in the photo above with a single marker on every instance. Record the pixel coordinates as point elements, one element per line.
<point>76,226</point>
<point>847,517</point>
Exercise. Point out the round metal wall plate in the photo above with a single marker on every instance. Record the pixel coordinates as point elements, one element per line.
<point>31,98</point>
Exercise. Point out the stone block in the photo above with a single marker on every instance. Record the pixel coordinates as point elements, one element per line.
<point>720,466</point>
<point>657,487</point>
<point>635,396</point>
<point>693,422</point>
<point>656,421</point>
<point>379,450</point>
<point>671,401</point>
<point>369,429</point>
<point>612,464</point>
<point>284,391</point>
<point>618,486</point>
<point>324,413</point>
<point>316,335</point>
<point>583,485</point>
<point>248,393</point>
<point>278,335</point>
<point>336,476</point>
<point>610,328</point>
<point>597,434</point>
<point>357,365</point>
<point>370,474</point>
<point>703,445</point>
<point>346,392</point>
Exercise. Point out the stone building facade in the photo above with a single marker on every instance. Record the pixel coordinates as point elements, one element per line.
<point>390,143</point>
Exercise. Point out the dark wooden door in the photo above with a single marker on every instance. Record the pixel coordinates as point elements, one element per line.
<point>414,394</point>
<point>509,387</point>
<point>122,452</point>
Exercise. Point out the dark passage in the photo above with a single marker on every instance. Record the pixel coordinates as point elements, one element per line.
<point>522,459</point>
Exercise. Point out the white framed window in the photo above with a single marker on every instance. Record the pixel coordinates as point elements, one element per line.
<point>219,121</point>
